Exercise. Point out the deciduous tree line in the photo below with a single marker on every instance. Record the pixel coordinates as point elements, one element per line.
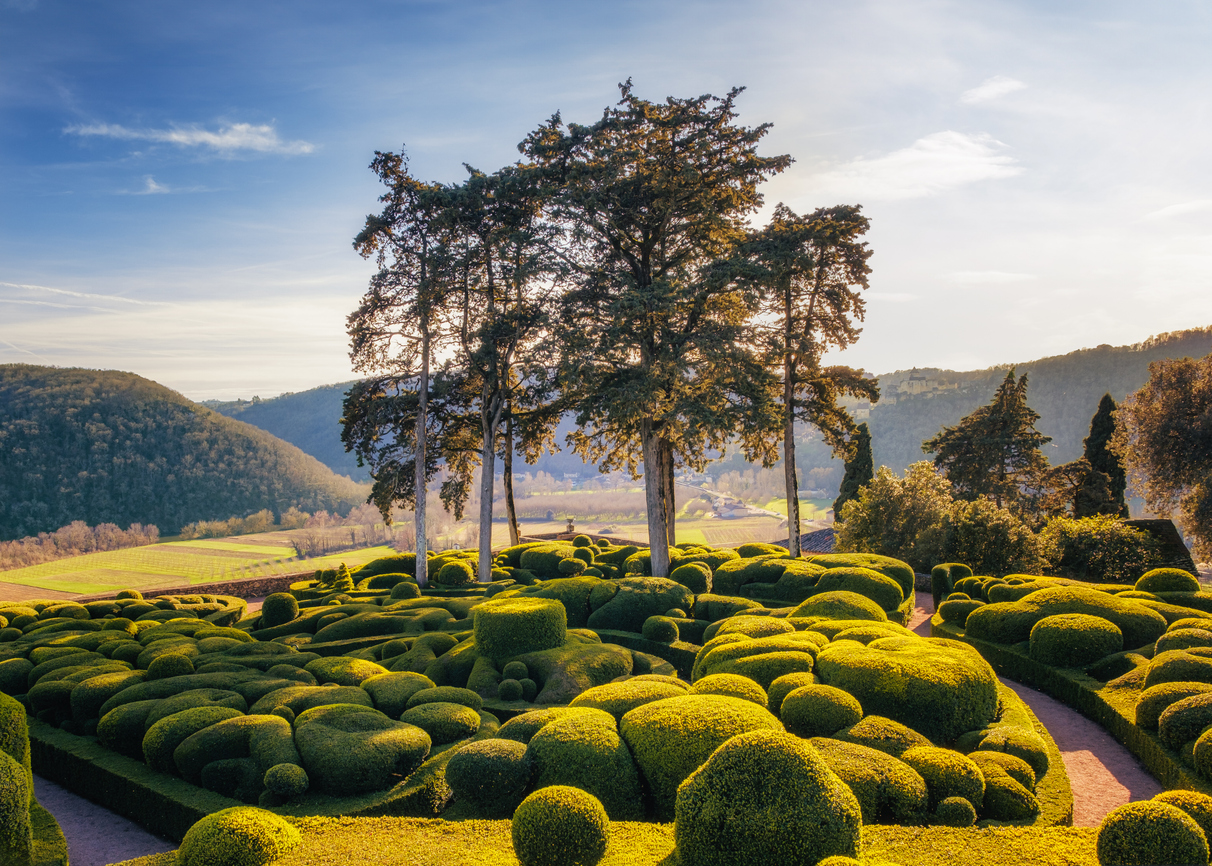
<point>611,272</point>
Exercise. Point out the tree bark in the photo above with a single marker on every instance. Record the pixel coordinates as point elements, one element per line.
<point>793,486</point>
<point>654,498</point>
<point>511,511</point>
<point>422,543</point>
<point>490,419</point>
<point>671,509</point>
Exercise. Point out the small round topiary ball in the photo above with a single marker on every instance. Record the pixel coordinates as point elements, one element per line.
<point>1072,640</point>
<point>278,609</point>
<point>241,836</point>
<point>515,670</point>
<point>1195,804</point>
<point>457,573</point>
<point>530,689</point>
<point>1167,580</point>
<point>572,566</point>
<point>169,665</point>
<point>286,780</point>
<point>509,690</point>
<point>560,826</point>
<point>405,589</point>
<point>955,812</point>
<point>730,685</point>
<point>660,629</point>
<point>582,541</point>
<point>130,593</point>
<point>819,711</point>
<point>1150,832</point>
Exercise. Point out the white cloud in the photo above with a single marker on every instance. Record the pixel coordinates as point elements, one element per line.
<point>227,139</point>
<point>90,296</point>
<point>153,188</point>
<point>1183,209</point>
<point>892,297</point>
<point>988,277</point>
<point>935,164</point>
<point>991,88</point>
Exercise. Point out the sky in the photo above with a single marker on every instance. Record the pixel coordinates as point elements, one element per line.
<point>180,183</point>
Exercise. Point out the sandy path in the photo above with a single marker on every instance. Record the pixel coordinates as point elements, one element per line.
<point>1103,773</point>
<point>96,836</point>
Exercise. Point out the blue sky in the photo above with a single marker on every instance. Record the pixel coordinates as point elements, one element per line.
<point>180,182</point>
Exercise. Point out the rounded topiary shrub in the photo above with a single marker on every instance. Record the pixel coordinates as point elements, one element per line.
<point>731,685</point>
<point>509,690</point>
<point>243,836</point>
<point>405,589</point>
<point>1198,806</point>
<point>572,566</point>
<point>457,573</point>
<point>785,685</point>
<point>509,627</point>
<point>1073,640</point>
<point>620,698</point>
<point>695,576</point>
<point>444,722</point>
<point>560,826</point>
<point>819,711</point>
<point>492,775</point>
<point>16,833</point>
<point>278,609</point>
<point>170,665</point>
<point>955,812</point>
<point>660,629</point>
<point>584,750</point>
<point>840,604</point>
<point>1167,580</point>
<point>1150,832</point>
<point>446,694</point>
<point>947,774</point>
<point>765,797</point>
<point>515,671</point>
<point>350,749</point>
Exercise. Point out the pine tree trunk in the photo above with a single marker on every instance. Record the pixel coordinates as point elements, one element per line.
<point>670,494</point>
<point>511,511</point>
<point>422,543</point>
<point>490,419</point>
<point>654,498</point>
<point>793,487</point>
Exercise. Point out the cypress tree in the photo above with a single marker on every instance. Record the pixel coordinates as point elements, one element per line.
<point>1105,494</point>
<point>860,469</point>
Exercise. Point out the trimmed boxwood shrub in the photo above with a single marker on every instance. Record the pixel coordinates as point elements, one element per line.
<point>638,598</point>
<point>1175,666</point>
<point>733,686</point>
<point>1019,741</point>
<point>765,797</point>
<point>947,774</point>
<point>301,698</point>
<point>1184,638</point>
<point>278,608</point>
<point>955,812</point>
<point>265,739</point>
<point>840,604</point>
<point>1074,640</point>
<point>660,629</point>
<point>168,732</point>
<point>880,588</point>
<point>1154,700</point>
<point>16,793</point>
<point>491,774</point>
<point>560,826</point>
<point>241,836</point>
<point>446,694</point>
<point>349,749</point>
<point>727,648</point>
<point>522,727</point>
<point>672,738</point>
<point>956,610</point>
<point>194,698</point>
<point>819,711</point>
<point>1150,832</point>
<point>1019,770</point>
<point>509,690</point>
<point>1184,720</point>
<point>1005,798</point>
<point>509,627</point>
<point>286,780</point>
<point>696,576</point>
<point>939,688</point>
<point>585,751</point>
<point>390,692</point>
<point>889,791</point>
<point>754,626</point>
<point>1198,806</point>
<point>884,735</point>
<point>443,721</point>
<point>785,685</point>
<point>765,668</point>
<point>620,698</point>
<point>1167,580</point>
<point>1011,622</point>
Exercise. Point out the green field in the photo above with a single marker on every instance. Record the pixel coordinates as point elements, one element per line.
<point>177,563</point>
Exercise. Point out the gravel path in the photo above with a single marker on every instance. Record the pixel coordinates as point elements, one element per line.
<point>96,836</point>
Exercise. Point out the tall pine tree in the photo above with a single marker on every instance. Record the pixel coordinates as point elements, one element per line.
<point>1105,494</point>
<point>860,469</point>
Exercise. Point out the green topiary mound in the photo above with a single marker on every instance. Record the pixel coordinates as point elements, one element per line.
<point>560,826</point>
<point>492,775</point>
<point>620,698</point>
<point>660,629</point>
<point>1074,640</point>
<point>947,774</point>
<point>278,609</point>
<point>765,797</point>
<point>241,836</point>
<point>732,685</point>
<point>348,749</point>
<point>1150,832</point>
<point>16,832</point>
<point>955,812</point>
<point>785,685</point>
<point>889,791</point>
<point>695,576</point>
<point>1011,622</point>
<point>840,604</point>
<point>286,780</point>
<point>939,688</point>
<point>819,711</point>
<point>444,722</point>
<point>881,589</point>
<point>584,750</point>
<point>1167,580</point>
<point>1198,806</point>
<point>509,627</point>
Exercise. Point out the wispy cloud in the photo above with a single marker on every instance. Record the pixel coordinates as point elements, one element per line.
<point>1188,207</point>
<point>935,164</point>
<point>991,88</point>
<point>988,277</point>
<point>88,296</point>
<point>228,140</point>
<point>892,297</point>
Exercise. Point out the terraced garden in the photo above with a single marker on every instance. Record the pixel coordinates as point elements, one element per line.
<point>569,708</point>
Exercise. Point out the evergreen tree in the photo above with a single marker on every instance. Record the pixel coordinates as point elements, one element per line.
<point>1103,490</point>
<point>860,469</point>
<point>995,451</point>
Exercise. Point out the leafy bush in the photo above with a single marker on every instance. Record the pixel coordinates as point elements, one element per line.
<point>620,698</point>
<point>1011,622</point>
<point>731,685</point>
<point>491,774</point>
<point>765,797</point>
<point>819,711</point>
<point>1150,832</point>
<point>584,750</point>
<point>443,721</point>
<point>560,826</point>
<point>947,774</point>
<point>1100,549</point>
<point>696,576</point>
<point>242,836</point>
<point>1073,640</point>
<point>163,737</point>
<point>1154,700</point>
<point>889,791</point>
<point>1167,580</point>
<point>660,629</point>
<point>509,627</point>
<point>348,749</point>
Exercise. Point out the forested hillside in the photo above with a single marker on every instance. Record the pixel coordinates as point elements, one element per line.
<point>111,447</point>
<point>1064,390</point>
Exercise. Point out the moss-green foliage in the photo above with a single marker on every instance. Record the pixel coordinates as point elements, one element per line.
<point>522,727</point>
<point>1201,755</point>
<point>1167,580</point>
<point>637,599</point>
<point>491,774</point>
<point>619,698</point>
<point>939,688</point>
<point>881,589</point>
<point>671,738</point>
<point>457,573</point>
<point>1175,666</point>
<point>543,560</point>
<point>819,711</point>
<point>510,627</point>
<point>241,836</point>
<point>584,750</point>
<point>943,578</point>
<point>1155,699</point>
<point>757,625</point>
<point>122,728</point>
<point>731,685</point>
<point>167,733</point>
<point>16,831</point>
<point>660,629</point>
<point>193,698</point>
<point>279,608</point>
<point>1198,806</point>
<point>724,649</point>
<point>170,665</point>
<point>343,670</point>
<point>957,610</point>
<point>778,690</point>
<point>947,773</point>
<point>14,676</point>
<point>897,569</point>
<point>765,668</point>
<point>584,661</point>
<point>1184,638</point>
<point>286,780</point>
<point>405,589</point>
<point>443,721</point>
<point>14,734</point>
<point>302,698</point>
<point>264,739</point>
<point>1018,769</point>
<point>955,812</point>
<point>883,734</point>
<point>765,797</point>
<point>1017,740</point>
<point>1005,798</point>
<point>560,826</point>
<point>580,595</point>
<point>347,749</point>
<point>446,694</point>
<point>840,604</point>
<point>1150,832</point>
<point>696,576</point>
<point>1011,622</point>
<point>889,791</point>
<point>390,692</point>
<point>1184,719</point>
<point>1074,640</point>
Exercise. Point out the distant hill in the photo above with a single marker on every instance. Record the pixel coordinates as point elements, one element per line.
<point>1064,389</point>
<point>109,447</point>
